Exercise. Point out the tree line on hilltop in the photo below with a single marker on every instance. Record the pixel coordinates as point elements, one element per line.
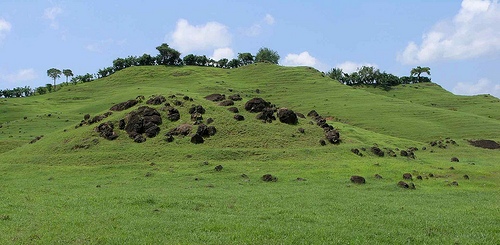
<point>366,75</point>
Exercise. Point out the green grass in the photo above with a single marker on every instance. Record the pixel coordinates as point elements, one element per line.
<point>121,192</point>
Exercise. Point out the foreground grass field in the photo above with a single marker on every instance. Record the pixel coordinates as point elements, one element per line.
<point>121,192</point>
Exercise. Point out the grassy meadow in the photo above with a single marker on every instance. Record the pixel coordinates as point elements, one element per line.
<point>74,187</point>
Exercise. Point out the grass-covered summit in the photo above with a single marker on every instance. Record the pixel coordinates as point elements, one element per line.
<point>72,186</point>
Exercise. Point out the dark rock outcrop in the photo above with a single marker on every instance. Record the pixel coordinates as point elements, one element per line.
<point>215,97</point>
<point>124,105</point>
<point>106,130</point>
<point>156,100</point>
<point>287,116</point>
<point>256,105</point>
<point>357,179</point>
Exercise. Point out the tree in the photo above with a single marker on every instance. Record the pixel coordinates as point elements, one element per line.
<point>234,63</point>
<point>337,74</point>
<point>41,90</point>
<point>245,58</point>
<point>189,60</point>
<point>168,56</point>
<point>222,63</point>
<point>67,73</point>
<point>119,64</point>
<point>267,55</point>
<point>146,60</point>
<point>54,74</point>
<point>419,70</point>
<point>368,74</point>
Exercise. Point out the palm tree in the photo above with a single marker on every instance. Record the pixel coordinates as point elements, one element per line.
<point>54,73</point>
<point>67,73</point>
<point>419,70</point>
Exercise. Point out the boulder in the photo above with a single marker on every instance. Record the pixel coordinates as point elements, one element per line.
<point>256,105</point>
<point>197,109</point>
<point>156,100</point>
<point>235,97</point>
<point>269,178</point>
<point>183,129</point>
<point>233,109</point>
<point>105,130</point>
<point>377,151</point>
<point>124,105</point>
<point>357,179</point>
<point>215,97</point>
<point>266,115</point>
<point>226,103</point>
<point>407,176</point>
<point>287,116</point>
<point>197,139</point>
<point>239,117</point>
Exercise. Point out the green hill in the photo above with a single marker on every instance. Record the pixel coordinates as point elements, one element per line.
<point>72,186</point>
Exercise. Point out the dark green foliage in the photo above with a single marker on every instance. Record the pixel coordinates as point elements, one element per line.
<point>267,55</point>
<point>245,58</point>
<point>168,56</point>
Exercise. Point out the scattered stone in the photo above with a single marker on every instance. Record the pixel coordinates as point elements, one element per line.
<point>452,168</point>
<point>183,129</point>
<point>233,109</point>
<point>300,179</point>
<point>333,136</point>
<point>124,105</point>
<point>377,151</point>
<point>301,130</point>
<point>454,159</point>
<point>378,176</point>
<point>269,178</point>
<point>466,176</point>
<point>210,120</point>
<point>431,175</point>
<point>287,116</point>
<point>300,115</point>
<point>238,117</point>
<point>419,177</point>
<point>403,184</point>
<point>186,98</point>
<point>454,183</point>
<point>218,168</point>
<point>266,115</point>
<point>139,138</point>
<point>313,114</point>
<point>357,179</point>
<point>322,142</point>
<point>156,100</point>
<point>177,103</point>
<point>235,97</point>
<point>173,114</point>
<point>226,103</point>
<point>197,109</point>
<point>357,152</point>
<point>411,186</point>
<point>148,174</point>
<point>244,176</point>
<point>197,139</point>
<point>37,138</point>
<point>215,97</point>
<point>105,130</point>
<point>86,117</point>
<point>256,105</point>
<point>487,144</point>
<point>196,117</point>
<point>407,176</point>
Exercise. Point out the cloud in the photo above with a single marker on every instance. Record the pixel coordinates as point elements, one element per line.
<point>483,86</point>
<point>256,28</point>
<point>220,53</point>
<point>51,14</point>
<point>350,67</point>
<point>302,59</point>
<point>473,32</point>
<point>102,45</point>
<point>4,28</point>
<point>269,19</point>
<point>188,38</point>
<point>20,76</point>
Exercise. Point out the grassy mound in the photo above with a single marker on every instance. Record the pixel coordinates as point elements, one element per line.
<point>73,186</point>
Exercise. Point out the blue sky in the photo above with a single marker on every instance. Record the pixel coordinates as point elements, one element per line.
<point>458,40</point>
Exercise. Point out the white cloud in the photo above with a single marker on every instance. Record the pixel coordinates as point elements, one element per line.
<point>20,76</point>
<point>212,35</point>
<point>302,59</point>
<point>220,53</point>
<point>256,28</point>
<point>102,45</point>
<point>4,28</point>
<point>473,32</point>
<point>483,86</point>
<point>51,14</point>
<point>350,67</point>
<point>269,19</point>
